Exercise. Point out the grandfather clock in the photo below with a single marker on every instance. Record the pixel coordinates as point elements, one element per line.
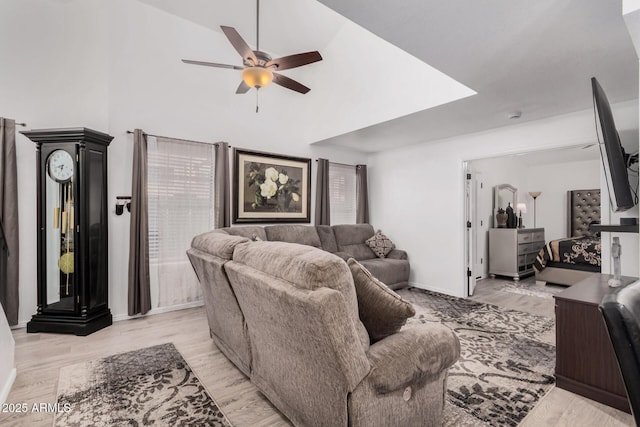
<point>72,231</point>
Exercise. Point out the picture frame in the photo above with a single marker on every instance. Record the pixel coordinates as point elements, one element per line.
<point>271,188</point>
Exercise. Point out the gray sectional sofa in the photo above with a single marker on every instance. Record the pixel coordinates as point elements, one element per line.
<point>286,314</point>
<point>346,241</point>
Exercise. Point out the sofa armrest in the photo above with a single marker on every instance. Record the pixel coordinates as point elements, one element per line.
<point>412,356</point>
<point>397,254</point>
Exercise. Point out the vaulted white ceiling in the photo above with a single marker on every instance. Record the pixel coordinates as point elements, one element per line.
<point>536,57</point>
<point>361,81</point>
<point>379,87</point>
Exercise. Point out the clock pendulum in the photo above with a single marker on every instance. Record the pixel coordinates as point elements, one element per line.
<point>66,261</point>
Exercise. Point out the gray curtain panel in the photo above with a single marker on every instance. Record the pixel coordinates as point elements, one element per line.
<point>362,195</point>
<point>139,285</point>
<point>9,217</point>
<point>222,187</point>
<point>323,212</point>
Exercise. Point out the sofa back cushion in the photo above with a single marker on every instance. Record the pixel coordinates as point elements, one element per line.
<point>351,239</point>
<point>302,234</point>
<point>304,267</point>
<point>250,232</point>
<point>217,243</point>
<point>327,239</point>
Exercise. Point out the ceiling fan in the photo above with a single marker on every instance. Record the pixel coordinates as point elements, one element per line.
<point>259,68</point>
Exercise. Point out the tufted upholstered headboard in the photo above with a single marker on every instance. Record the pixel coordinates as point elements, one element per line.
<point>583,208</point>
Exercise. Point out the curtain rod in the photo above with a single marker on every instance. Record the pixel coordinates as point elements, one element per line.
<point>177,139</point>
<point>341,164</point>
<point>19,124</point>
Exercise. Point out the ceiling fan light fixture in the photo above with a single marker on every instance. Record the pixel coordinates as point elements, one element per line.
<point>257,76</point>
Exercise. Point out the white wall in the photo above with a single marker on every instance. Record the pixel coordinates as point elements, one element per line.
<point>554,180</point>
<point>115,66</point>
<point>418,191</point>
<point>7,355</point>
<point>54,74</point>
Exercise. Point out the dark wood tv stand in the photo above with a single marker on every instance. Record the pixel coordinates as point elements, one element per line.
<point>585,361</point>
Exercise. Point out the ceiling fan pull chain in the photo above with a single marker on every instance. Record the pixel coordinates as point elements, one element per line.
<point>257,99</point>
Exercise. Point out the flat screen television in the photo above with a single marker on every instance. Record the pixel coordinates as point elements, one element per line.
<point>614,158</point>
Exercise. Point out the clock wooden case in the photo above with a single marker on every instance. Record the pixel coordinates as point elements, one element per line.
<point>72,231</point>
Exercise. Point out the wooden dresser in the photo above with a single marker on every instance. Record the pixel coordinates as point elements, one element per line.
<point>585,361</point>
<point>512,251</point>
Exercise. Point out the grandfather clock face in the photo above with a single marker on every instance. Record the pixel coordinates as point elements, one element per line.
<point>60,223</point>
<point>60,166</point>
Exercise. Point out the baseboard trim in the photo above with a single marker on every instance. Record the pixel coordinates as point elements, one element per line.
<point>6,388</point>
<point>159,310</point>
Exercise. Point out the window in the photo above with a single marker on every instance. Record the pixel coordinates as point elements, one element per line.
<point>342,193</point>
<point>180,188</point>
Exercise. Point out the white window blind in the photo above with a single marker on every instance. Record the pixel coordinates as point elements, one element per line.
<point>342,193</point>
<point>180,191</point>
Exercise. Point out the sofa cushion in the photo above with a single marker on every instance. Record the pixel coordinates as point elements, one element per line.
<point>301,234</point>
<point>217,243</point>
<point>253,232</point>
<point>380,244</point>
<point>327,239</point>
<point>351,239</point>
<point>304,267</point>
<point>388,271</point>
<point>382,311</point>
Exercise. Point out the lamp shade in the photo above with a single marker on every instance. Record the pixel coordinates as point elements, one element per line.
<point>535,194</point>
<point>257,76</point>
<point>521,207</point>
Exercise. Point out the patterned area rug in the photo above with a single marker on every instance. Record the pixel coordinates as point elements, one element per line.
<point>151,386</point>
<point>545,291</point>
<point>506,364</point>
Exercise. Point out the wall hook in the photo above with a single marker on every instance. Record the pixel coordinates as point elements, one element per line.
<point>121,201</point>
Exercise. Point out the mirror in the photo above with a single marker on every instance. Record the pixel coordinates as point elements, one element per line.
<point>504,194</point>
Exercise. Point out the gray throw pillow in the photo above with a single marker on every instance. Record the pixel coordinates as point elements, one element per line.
<point>380,244</point>
<point>382,311</point>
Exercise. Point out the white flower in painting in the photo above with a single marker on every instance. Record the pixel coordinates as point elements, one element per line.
<point>283,178</point>
<point>271,174</point>
<point>268,188</point>
<point>295,197</point>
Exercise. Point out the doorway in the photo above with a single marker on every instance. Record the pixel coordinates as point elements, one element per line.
<point>552,172</point>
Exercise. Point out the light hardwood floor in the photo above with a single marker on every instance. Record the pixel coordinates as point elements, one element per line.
<point>39,358</point>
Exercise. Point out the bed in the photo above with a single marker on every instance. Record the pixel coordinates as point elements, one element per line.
<point>568,261</point>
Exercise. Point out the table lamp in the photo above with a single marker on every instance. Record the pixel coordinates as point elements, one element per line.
<point>522,208</point>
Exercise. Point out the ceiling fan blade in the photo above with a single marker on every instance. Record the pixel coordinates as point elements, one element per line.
<point>293,61</point>
<point>243,88</point>
<point>285,81</point>
<point>212,64</point>
<point>238,43</point>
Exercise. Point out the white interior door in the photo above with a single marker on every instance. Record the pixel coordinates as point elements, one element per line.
<point>481,228</point>
<point>470,240</point>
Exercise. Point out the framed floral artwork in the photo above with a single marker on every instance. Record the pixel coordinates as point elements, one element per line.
<point>271,188</point>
